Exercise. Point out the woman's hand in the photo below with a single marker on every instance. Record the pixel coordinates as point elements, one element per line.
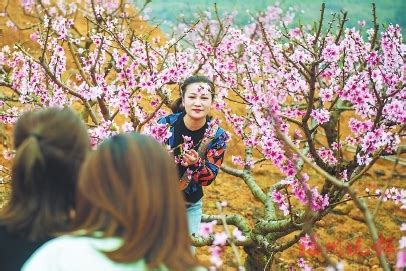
<point>190,157</point>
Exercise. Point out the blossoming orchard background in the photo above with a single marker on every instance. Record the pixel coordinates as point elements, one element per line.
<point>166,13</point>
<point>314,174</point>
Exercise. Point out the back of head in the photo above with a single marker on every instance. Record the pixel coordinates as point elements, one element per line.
<point>128,188</point>
<point>50,147</point>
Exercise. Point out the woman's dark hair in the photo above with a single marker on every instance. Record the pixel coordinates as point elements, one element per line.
<point>50,147</point>
<point>177,105</point>
<point>128,188</point>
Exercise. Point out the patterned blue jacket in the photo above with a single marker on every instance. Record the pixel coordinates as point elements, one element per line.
<point>204,173</point>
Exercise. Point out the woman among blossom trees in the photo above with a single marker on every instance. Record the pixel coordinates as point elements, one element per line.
<point>197,142</point>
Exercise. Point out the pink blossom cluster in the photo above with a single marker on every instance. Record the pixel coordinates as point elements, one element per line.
<point>184,148</point>
<point>302,192</point>
<point>307,242</point>
<point>376,140</point>
<point>303,265</point>
<point>320,115</point>
<point>282,201</point>
<point>212,127</point>
<point>102,132</point>
<point>360,127</point>
<point>401,255</point>
<point>331,52</point>
<point>10,116</point>
<point>328,156</point>
<point>158,131</point>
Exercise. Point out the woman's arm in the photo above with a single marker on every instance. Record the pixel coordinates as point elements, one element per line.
<point>205,170</point>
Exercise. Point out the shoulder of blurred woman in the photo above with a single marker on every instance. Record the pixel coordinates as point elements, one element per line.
<point>79,253</point>
<point>200,268</point>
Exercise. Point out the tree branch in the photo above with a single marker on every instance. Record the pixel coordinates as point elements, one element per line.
<point>359,202</point>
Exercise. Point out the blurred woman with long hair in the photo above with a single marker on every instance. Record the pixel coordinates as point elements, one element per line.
<point>197,141</point>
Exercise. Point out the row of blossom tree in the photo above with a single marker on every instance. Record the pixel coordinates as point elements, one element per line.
<point>292,87</point>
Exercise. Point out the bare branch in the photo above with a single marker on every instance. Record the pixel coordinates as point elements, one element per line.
<point>376,28</point>
<point>323,6</point>
<point>341,27</point>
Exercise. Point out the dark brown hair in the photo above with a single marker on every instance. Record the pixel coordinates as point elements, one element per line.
<point>50,146</point>
<point>177,105</point>
<point>128,189</point>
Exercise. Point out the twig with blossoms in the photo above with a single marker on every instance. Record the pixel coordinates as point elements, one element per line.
<point>237,234</point>
<point>234,219</point>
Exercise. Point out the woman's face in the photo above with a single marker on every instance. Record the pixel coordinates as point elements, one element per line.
<point>197,100</point>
